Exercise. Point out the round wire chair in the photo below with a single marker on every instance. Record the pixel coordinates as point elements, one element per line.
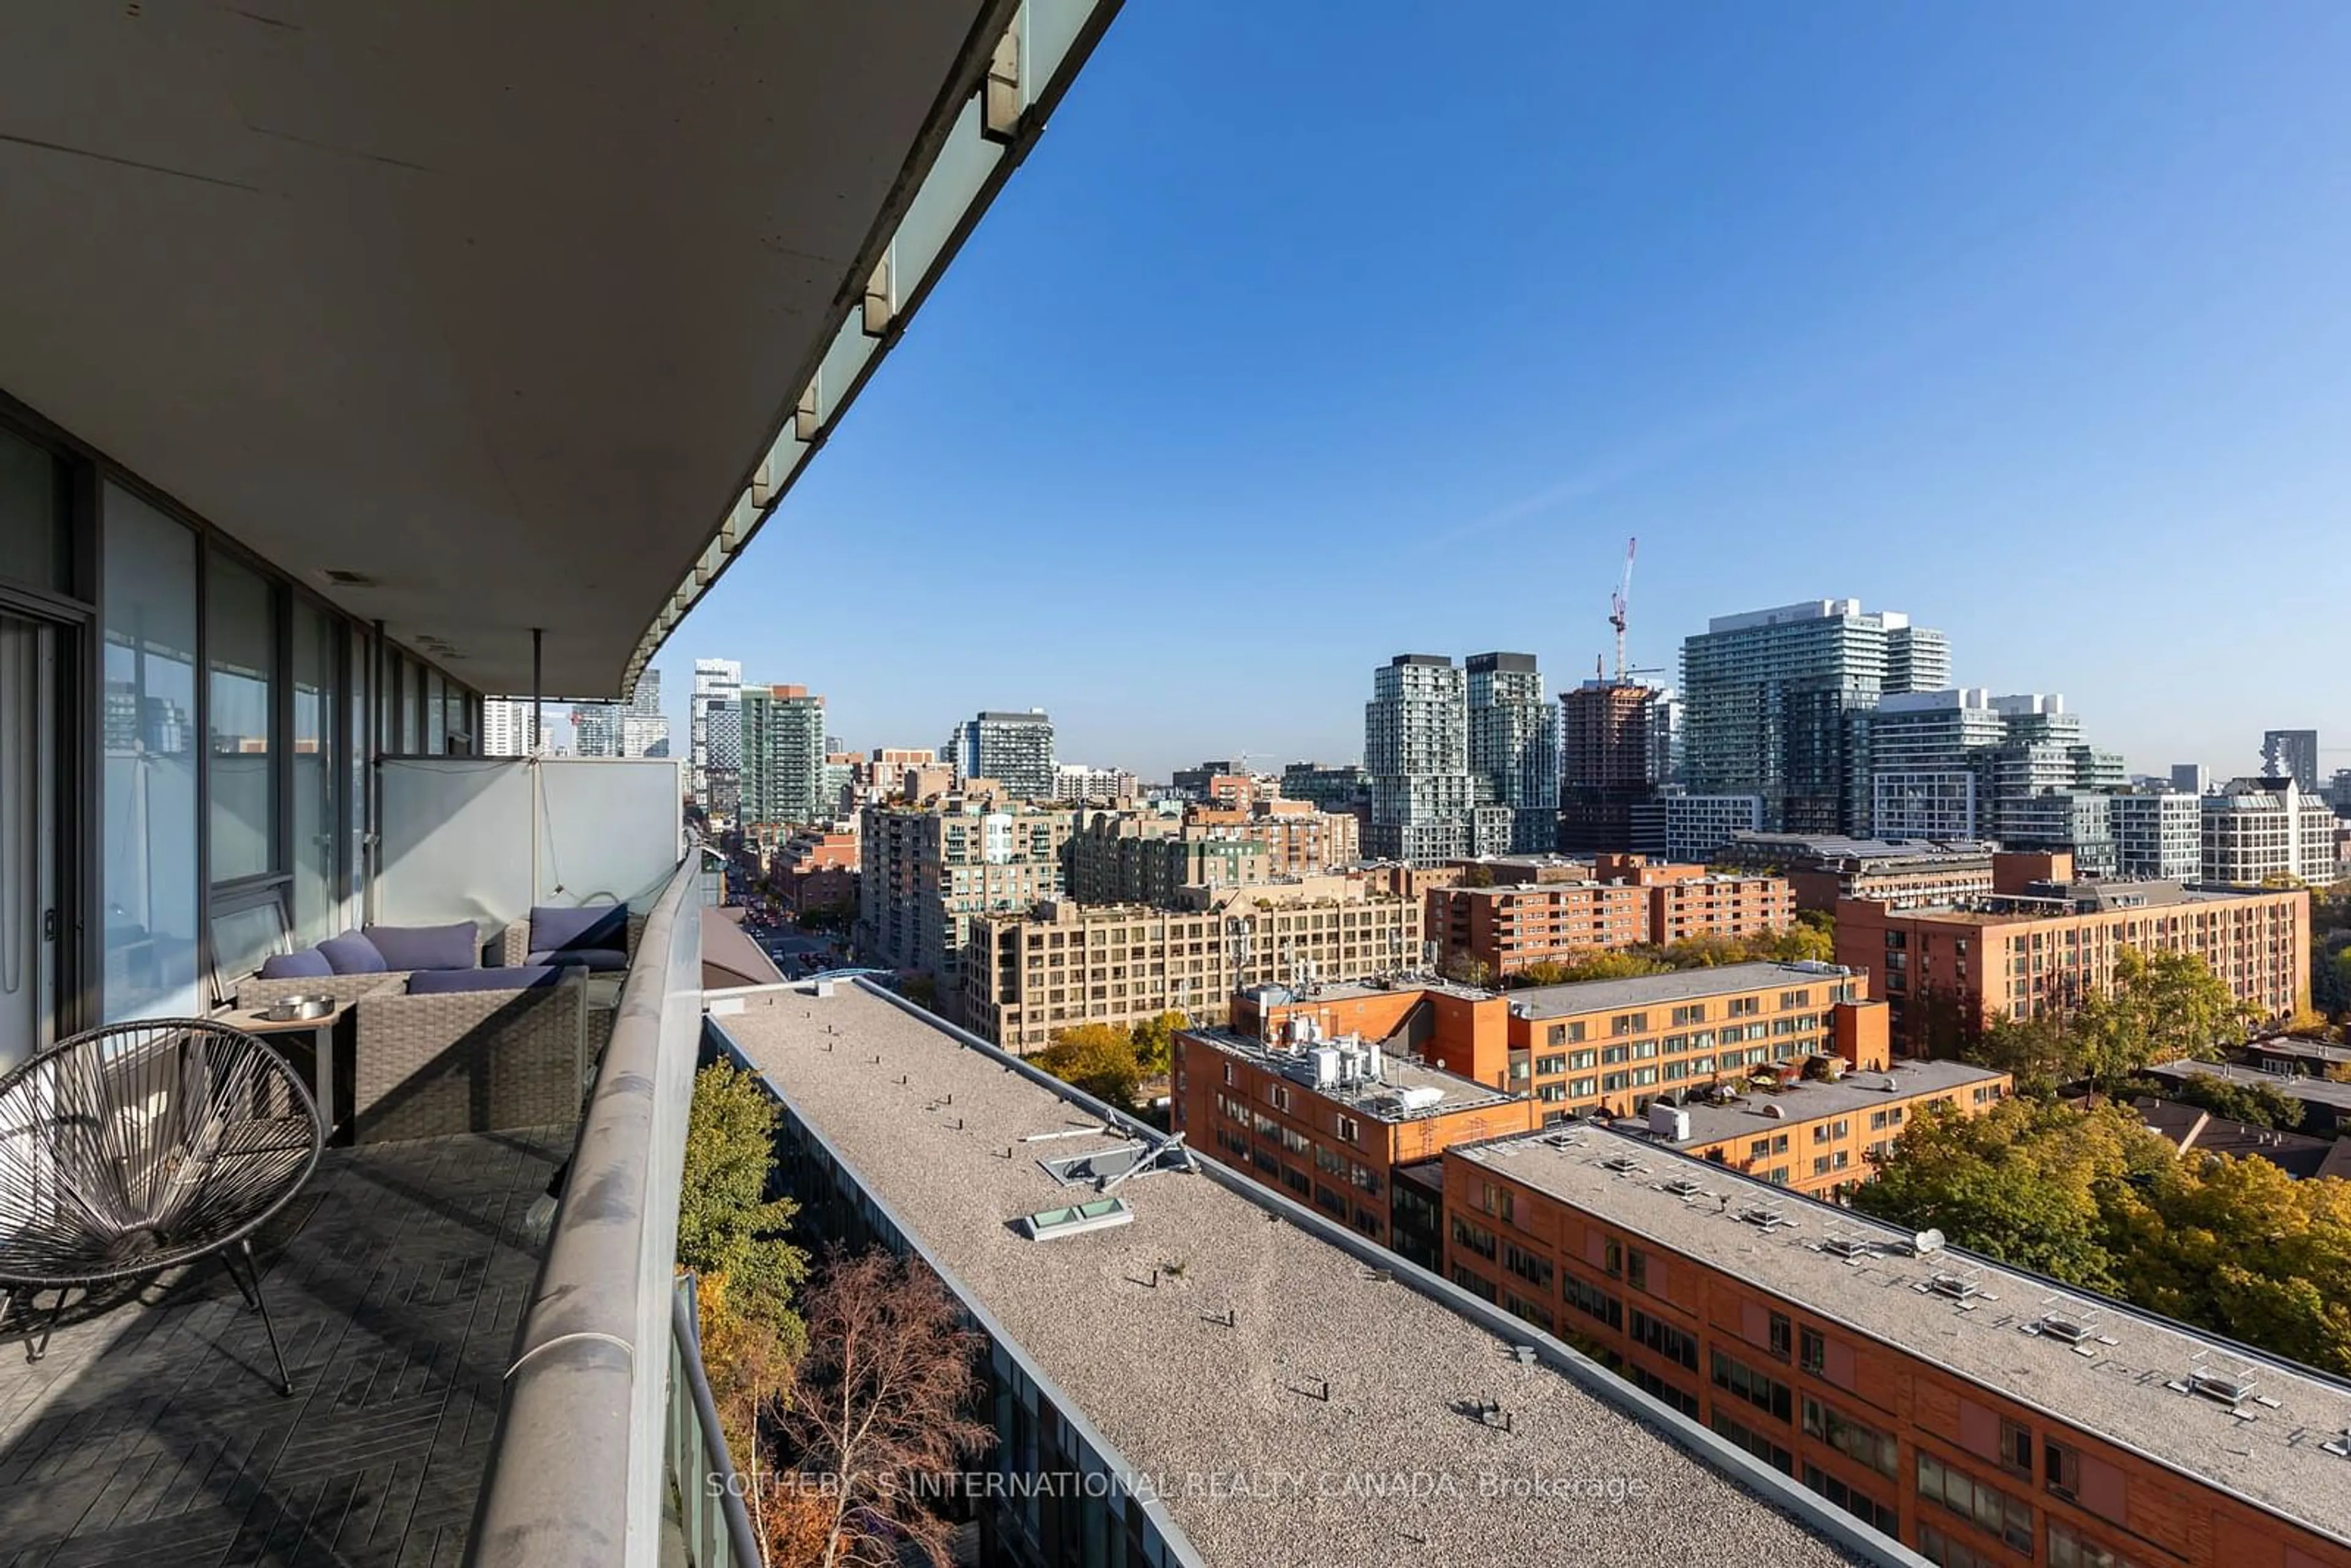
<point>134,1148</point>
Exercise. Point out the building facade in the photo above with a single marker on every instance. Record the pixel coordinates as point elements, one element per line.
<point>1514,746</point>
<point>2261,830</point>
<point>2157,835</point>
<point>715,737</point>
<point>1770,698</point>
<point>507,727</point>
<point>1031,972</point>
<point>925,872</point>
<point>1016,750</point>
<point>784,778</point>
<point>1946,973</point>
<point>1345,789</point>
<point>2291,754</point>
<point>1613,1047</point>
<point>1622,903</point>
<point>1416,753</point>
<point>1077,784</point>
<point>1900,872</point>
<point>1328,1120</point>
<point>1880,1372</point>
<point>1821,1136</point>
<point>815,868</point>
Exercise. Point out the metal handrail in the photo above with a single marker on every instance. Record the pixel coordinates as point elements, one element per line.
<point>576,1467</point>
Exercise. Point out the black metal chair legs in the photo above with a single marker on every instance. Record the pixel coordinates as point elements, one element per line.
<point>251,1294</point>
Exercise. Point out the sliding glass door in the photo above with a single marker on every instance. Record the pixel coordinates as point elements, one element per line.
<point>28,860</point>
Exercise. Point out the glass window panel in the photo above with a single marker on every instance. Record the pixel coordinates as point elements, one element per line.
<point>411,707</point>
<point>35,537</point>
<point>147,723</point>
<point>436,714</point>
<point>461,727</point>
<point>242,938</point>
<point>241,648</point>
<point>356,773</point>
<point>316,766</point>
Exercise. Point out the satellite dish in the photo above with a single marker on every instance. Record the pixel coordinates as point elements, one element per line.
<point>1927,1242</point>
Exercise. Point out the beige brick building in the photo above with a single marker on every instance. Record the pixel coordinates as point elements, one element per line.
<point>925,872</point>
<point>1026,975</point>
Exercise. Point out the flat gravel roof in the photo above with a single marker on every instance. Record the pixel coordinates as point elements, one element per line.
<point>1681,986</point>
<point>2121,1386</point>
<point>1344,1398</point>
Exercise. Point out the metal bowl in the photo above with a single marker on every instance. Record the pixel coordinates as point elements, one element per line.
<point>294,1009</point>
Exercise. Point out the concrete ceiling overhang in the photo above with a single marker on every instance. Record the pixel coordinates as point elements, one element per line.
<point>478,316</point>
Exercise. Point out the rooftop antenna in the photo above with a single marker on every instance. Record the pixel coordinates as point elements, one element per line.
<point>1619,603</point>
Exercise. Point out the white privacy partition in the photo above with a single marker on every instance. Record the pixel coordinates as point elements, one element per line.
<point>485,839</point>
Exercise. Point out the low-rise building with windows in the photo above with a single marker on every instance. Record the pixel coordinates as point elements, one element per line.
<point>1819,1136</point>
<point>1979,1414</point>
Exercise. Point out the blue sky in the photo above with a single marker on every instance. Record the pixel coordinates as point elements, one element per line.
<point>1309,334</point>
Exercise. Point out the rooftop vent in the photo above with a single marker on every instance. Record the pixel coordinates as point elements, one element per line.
<point>1623,1165</point>
<point>1764,1219</point>
<point>1955,1287</point>
<point>1682,1186</point>
<point>2065,1330</point>
<point>2230,1389</point>
<point>1851,1248</point>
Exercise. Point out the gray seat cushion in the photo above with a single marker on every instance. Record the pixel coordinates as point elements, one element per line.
<point>457,946</point>
<point>353,954</point>
<point>309,964</point>
<point>604,960</point>
<point>440,982</point>
<point>596,927</point>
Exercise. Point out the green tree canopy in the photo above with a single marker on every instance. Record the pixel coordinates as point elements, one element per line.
<point>1097,1058</point>
<point>2090,1197</point>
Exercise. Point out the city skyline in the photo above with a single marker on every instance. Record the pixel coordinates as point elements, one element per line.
<point>2060,321</point>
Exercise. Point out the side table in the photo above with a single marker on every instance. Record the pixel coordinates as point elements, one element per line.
<point>279,1034</point>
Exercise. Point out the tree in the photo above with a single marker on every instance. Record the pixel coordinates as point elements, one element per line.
<point>2308,1023</point>
<point>2161,1007</point>
<point>2233,1245</point>
<point>1097,1058</point>
<point>920,990</point>
<point>731,1234</point>
<point>2028,1182</point>
<point>1544,972</point>
<point>878,1411</point>
<point>1476,875</point>
<point>1467,971</point>
<point>2255,1104</point>
<point>1154,1043</point>
<point>1808,940</point>
<point>2037,1052</point>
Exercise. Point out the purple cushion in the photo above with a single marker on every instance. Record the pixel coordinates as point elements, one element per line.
<point>457,946</point>
<point>309,964</point>
<point>595,925</point>
<point>603,958</point>
<point>353,954</point>
<point>440,982</point>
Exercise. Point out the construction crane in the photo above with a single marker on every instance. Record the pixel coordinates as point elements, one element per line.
<point>1619,603</point>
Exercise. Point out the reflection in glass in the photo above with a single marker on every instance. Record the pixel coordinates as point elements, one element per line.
<point>436,714</point>
<point>242,938</point>
<point>241,626</point>
<point>316,761</point>
<point>411,705</point>
<point>147,719</point>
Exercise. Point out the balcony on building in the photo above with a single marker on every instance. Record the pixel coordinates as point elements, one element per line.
<point>368,365</point>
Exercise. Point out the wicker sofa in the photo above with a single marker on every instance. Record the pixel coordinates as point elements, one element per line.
<point>450,1047</point>
<point>470,1060</point>
<point>512,945</point>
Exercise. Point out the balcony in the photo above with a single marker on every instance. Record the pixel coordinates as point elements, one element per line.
<point>278,581</point>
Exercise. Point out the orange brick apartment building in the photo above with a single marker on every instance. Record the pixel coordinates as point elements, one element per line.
<point>1981,1415</point>
<point>1621,901</point>
<point>1327,1118</point>
<point>1945,973</point>
<point>1821,1136</point>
